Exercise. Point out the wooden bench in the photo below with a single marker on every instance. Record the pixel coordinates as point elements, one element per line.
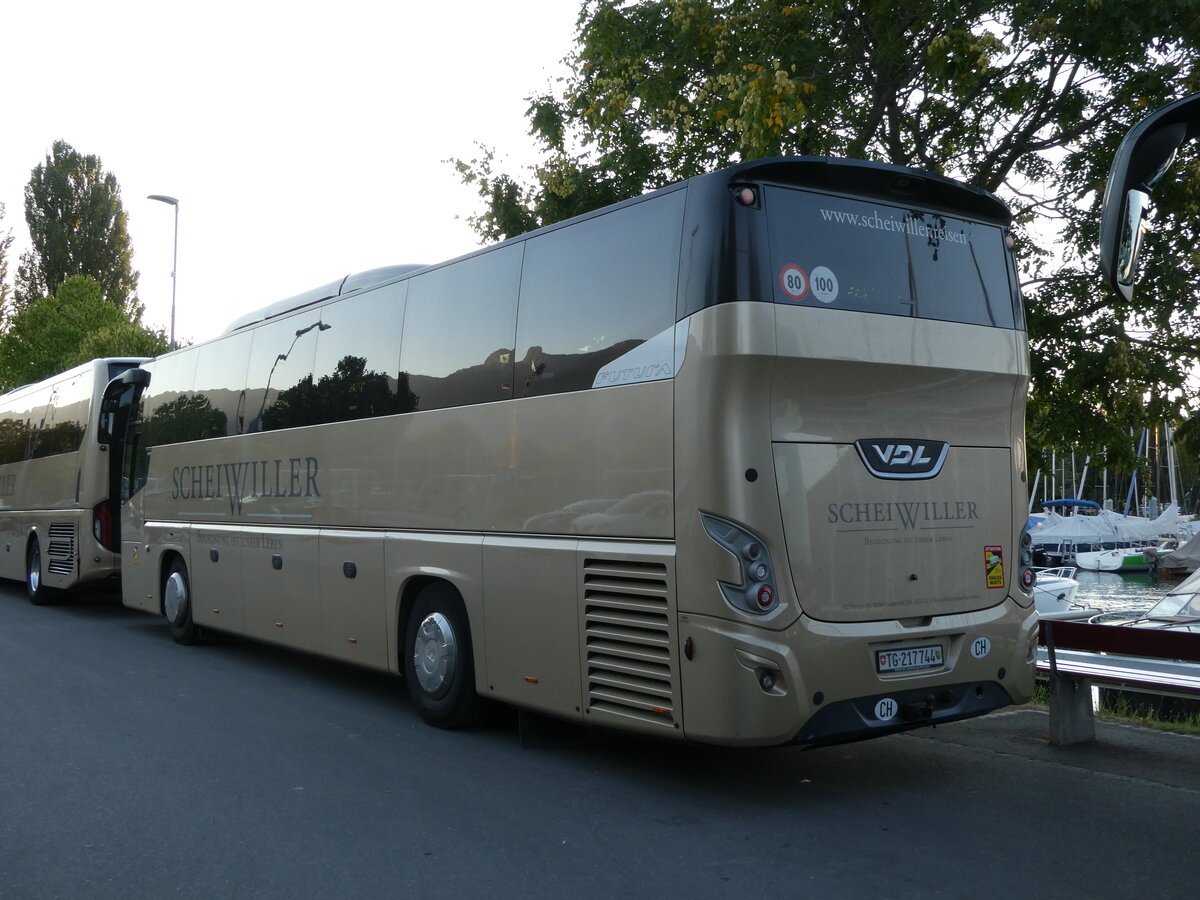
<point>1078,654</point>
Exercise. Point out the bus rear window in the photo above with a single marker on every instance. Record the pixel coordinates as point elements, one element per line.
<point>850,254</point>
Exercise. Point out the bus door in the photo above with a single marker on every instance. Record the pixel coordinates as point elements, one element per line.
<point>120,400</point>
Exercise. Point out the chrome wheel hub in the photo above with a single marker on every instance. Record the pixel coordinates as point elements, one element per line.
<point>435,653</point>
<point>175,597</point>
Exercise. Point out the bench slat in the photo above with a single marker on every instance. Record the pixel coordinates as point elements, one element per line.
<point>1168,677</point>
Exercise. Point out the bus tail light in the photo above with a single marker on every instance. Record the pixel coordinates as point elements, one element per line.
<point>766,597</point>
<point>102,526</point>
<point>1027,577</point>
<point>756,593</point>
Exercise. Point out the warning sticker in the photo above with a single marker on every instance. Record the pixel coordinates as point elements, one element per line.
<point>794,281</point>
<point>993,564</point>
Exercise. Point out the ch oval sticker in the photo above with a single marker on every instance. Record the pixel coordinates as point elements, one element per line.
<point>981,647</point>
<point>886,709</point>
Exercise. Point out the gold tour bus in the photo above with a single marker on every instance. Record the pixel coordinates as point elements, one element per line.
<point>59,488</point>
<point>739,461</point>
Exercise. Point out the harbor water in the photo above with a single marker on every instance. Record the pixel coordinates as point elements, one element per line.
<point>1111,592</point>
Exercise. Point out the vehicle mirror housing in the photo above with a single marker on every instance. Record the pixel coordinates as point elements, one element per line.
<point>122,392</point>
<point>1144,156</point>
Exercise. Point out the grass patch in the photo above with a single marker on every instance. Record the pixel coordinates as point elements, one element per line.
<point>1143,710</point>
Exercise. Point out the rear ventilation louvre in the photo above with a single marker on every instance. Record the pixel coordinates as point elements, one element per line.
<point>60,552</point>
<point>630,638</point>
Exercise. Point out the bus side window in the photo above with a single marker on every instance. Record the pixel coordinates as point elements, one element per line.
<point>41,405</point>
<point>137,458</point>
<point>458,331</point>
<point>356,372</point>
<point>71,416</point>
<point>170,415</point>
<point>14,431</point>
<point>12,437</point>
<point>220,386</point>
<point>593,291</point>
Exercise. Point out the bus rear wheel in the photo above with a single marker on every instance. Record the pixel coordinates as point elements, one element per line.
<point>39,592</point>
<point>438,663</point>
<point>177,604</point>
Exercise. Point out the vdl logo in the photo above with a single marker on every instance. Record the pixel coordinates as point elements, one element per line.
<point>902,457</point>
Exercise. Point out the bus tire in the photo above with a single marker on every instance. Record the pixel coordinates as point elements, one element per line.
<point>177,604</point>
<point>438,664</point>
<point>39,593</point>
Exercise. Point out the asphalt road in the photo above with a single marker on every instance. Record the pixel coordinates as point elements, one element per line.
<point>131,767</point>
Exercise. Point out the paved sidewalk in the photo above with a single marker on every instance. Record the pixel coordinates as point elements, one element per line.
<point>1144,754</point>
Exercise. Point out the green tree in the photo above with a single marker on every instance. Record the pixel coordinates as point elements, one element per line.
<point>1025,98</point>
<point>75,325</point>
<point>77,226</point>
<point>6,240</point>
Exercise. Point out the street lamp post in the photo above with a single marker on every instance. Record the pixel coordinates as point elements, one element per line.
<point>163,198</point>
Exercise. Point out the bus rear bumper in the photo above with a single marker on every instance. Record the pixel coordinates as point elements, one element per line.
<point>856,719</point>
<point>817,683</point>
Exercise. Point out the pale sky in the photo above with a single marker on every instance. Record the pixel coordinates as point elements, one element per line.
<point>304,140</point>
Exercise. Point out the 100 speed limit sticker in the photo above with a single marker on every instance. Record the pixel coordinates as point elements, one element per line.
<point>796,284</point>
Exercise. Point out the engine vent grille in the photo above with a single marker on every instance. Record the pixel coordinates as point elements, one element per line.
<point>629,636</point>
<point>60,552</point>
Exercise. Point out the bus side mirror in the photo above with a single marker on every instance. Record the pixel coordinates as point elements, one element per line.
<point>120,394</point>
<point>1144,156</point>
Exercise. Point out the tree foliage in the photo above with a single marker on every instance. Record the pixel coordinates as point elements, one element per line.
<point>6,240</point>
<point>77,226</point>
<point>1025,98</point>
<point>55,333</point>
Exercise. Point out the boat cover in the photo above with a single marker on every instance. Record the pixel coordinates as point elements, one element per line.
<point>1185,556</point>
<point>1105,526</point>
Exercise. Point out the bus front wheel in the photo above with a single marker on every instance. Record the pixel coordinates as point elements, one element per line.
<point>438,665</point>
<point>177,604</point>
<point>39,593</point>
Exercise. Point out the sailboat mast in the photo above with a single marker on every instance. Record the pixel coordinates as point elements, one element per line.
<point>1172,472</point>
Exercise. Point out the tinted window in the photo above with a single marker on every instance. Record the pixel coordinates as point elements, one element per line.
<point>24,424</point>
<point>356,374</point>
<point>458,331</point>
<point>871,257</point>
<point>13,429</point>
<point>46,421</point>
<point>169,413</point>
<point>136,461</point>
<point>115,369</point>
<point>219,393</point>
<point>279,380</point>
<point>65,417</point>
<point>593,291</point>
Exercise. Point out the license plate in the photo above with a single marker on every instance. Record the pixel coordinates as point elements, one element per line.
<point>907,659</point>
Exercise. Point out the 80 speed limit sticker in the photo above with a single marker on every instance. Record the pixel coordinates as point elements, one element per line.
<point>794,281</point>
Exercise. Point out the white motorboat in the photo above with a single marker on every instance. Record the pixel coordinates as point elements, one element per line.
<point>1121,559</point>
<point>1054,589</point>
